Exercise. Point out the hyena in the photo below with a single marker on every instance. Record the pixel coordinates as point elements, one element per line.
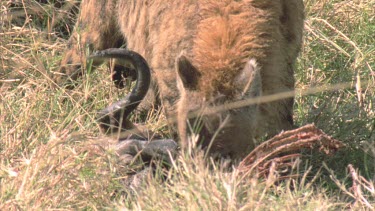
<point>203,53</point>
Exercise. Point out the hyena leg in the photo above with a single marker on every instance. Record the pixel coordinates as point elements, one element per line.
<point>96,29</point>
<point>292,21</point>
<point>278,115</point>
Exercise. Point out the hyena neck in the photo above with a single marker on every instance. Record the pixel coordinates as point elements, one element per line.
<point>226,39</point>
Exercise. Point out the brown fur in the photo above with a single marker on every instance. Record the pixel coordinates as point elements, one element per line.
<point>216,38</point>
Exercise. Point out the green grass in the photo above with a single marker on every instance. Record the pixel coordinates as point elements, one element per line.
<point>51,158</point>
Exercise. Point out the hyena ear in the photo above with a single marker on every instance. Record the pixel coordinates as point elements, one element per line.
<point>187,74</point>
<point>249,81</point>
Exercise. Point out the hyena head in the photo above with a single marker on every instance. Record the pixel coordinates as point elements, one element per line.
<point>70,65</point>
<point>228,132</point>
<point>231,38</point>
<point>71,69</point>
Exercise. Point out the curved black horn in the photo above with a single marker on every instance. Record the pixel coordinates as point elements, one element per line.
<point>115,116</point>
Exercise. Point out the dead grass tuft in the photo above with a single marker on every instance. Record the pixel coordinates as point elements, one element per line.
<point>280,152</point>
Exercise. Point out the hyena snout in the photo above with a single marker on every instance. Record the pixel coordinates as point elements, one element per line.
<point>230,133</point>
<point>225,123</point>
<point>72,68</point>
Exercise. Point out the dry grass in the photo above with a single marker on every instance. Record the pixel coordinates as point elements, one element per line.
<point>49,160</point>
